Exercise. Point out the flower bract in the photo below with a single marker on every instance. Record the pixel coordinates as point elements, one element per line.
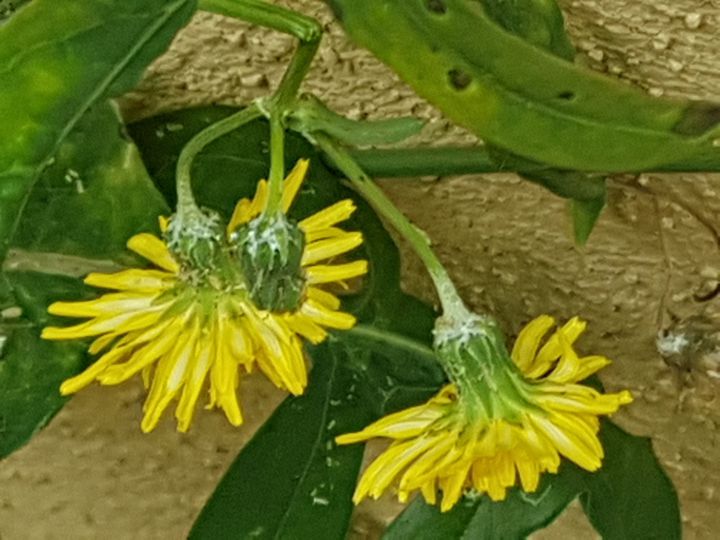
<point>504,420</point>
<point>187,329</point>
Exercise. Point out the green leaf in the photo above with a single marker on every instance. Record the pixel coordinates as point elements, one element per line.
<point>57,60</point>
<point>87,204</point>
<point>522,98</point>
<point>32,369</point>
<point>631,496</point>
<point>512,519</point>
<point>94,196</point>
<point>9,7</point>
<point>291,480</point>
<point>539,22</point>
<point>584,217</point>
<point>382,364</point>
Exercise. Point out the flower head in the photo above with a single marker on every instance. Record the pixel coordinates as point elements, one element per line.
<point>194,316</point>
<point>503,421</point>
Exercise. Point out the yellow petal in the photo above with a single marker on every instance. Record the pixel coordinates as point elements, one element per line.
<point>316,235</point>
<point>224,375</point>
<point>304,326</point>
<point>528,471</point>
<point>196,374</point>
<point>571,441</point>
<point>133,280</point>
<point>319,314</point>
<point>73,384</point>
<point>155,250</point>
<point>121,323</point>
<point>340,211</point>
<point>141,358</point>
<point>416,475</point>
<point>331,247</point>
<point>292,183</point>
<point>400,455</point>
<point>528,341</point>
<point>106,304</point>
<point>338,272</point>
<point>452,486</point>
<point>325,298</point>
<point>588,366</point>
<point>552,350</point>
<point>400,425</point>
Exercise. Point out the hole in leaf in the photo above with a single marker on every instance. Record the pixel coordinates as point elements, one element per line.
<point>437,6</point>
<point>698,118</point>
<point>567,95</point>
<point>459,79</point>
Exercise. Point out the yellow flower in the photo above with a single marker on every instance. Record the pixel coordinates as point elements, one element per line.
<point>509,427</point>
<point>179,325</point>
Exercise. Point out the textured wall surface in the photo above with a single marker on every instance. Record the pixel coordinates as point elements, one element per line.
<point>92,474</point>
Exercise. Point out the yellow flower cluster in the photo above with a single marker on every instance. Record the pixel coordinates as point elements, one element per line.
<point>509,435</point>
<point>178,333</point>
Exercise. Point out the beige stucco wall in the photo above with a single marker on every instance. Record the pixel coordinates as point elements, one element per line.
<point>92,474</point>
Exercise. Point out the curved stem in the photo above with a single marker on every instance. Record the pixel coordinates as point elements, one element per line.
<point>262,13</point>
<point>186,205</point>
<point>452,305</point>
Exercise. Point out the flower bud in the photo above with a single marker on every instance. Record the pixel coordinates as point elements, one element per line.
<point>197,240</point>
<point>269,250</point>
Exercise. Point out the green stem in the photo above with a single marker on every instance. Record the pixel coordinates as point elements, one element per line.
<point>452,160</point>
<point>295,74</point>
<point>452,305</point>
<point>282,102</point>
<point>261,13</point>
<point>277,163</point>
<point>186,206</point>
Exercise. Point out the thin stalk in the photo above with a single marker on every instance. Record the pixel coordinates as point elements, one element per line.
<point>295,74</point>
<point>452,160</point>
<point>261,13</point>
<point>186,206</point>
<point>278,106</point>
<point>452,305</point>
<point>277,164</point>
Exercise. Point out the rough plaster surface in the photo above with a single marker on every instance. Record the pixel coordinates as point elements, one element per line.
<point>92,474</point>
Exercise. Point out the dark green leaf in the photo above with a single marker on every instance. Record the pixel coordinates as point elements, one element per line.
<point>57,59</point>
<point>291,480</point>
<point>521,98</point>
<point>584,217</point>
<point>32,369</point>
<point>87,204</point>
<point>631,496</point>
<point>481,519</point>
<point>94,196</point>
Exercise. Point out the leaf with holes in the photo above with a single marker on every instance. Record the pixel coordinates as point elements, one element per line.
<point>522,98</point>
